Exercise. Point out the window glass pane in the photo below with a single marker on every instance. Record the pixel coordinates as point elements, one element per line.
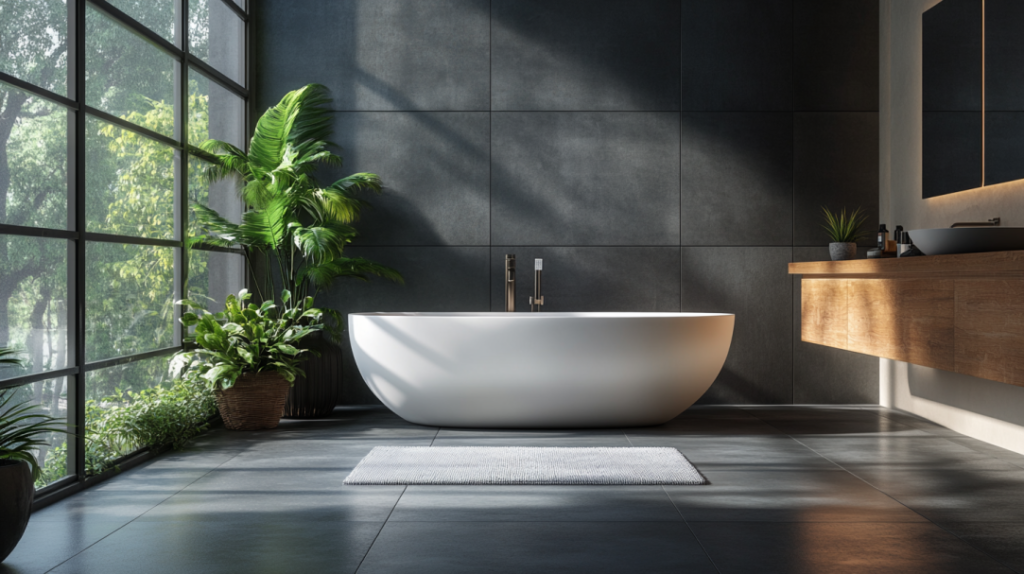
<point>157,15</point>
<point>34,302</point>
<point>50,397</point>
<point>221,195</point>
<point>129,183</point>
<point>106,389</point>
<point>34,179</point>
<point>213,275</point>
<point>33,42</point>
<point>214,112</point>
<point>126,76</point>
<point>240,3</point>
<point>130,296</point>
<point>217,36</point>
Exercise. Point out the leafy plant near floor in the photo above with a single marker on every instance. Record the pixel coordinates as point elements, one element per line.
<point>245,338</point>
<point>843,228</point>
<point>159,417</point>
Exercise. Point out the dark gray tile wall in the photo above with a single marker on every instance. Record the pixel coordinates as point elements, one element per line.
<point>671,155</point>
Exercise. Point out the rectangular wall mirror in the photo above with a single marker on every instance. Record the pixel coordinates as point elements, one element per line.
<point>973,95</point>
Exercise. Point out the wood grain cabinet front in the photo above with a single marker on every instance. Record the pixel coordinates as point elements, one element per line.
<point>965,316</point>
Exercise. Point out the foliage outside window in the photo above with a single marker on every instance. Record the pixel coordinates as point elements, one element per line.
<point>134,221</point>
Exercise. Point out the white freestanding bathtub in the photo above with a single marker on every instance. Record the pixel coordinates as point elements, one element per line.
<point>539,370</point>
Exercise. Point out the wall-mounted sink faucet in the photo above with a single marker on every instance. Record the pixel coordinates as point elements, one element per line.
<point>510,283</point>
<point>994,222</point>
<point>537,300</point>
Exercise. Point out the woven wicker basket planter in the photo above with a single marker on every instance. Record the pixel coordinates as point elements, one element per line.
<point>255,402</point>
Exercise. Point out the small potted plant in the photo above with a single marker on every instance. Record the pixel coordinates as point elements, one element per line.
<point>248,355</point>
<point>844,231</point>
<point>22,427</point>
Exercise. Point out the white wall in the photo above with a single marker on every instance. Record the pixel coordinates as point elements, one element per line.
<point>987,410</point>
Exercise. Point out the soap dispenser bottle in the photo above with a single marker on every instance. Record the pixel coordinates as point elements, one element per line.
<point>883,236</point>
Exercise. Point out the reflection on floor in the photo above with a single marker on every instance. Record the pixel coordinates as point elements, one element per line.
<point>793,489</point>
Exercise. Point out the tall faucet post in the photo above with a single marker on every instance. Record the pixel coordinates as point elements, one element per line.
<point>537,300</point>
<point>510,283</point>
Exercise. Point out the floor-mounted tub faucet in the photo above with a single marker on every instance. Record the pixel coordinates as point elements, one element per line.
<point>537,300</point>
<point>510,283</point>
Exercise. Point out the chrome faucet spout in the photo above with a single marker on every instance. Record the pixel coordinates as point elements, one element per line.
<point>537,300</point>
<point>510,283</point>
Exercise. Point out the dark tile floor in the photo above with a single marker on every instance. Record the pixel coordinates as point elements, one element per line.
<point>793,489</point>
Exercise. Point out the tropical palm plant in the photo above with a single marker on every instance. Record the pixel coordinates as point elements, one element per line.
<point>293,223</point>
<point>22,425</point>
<point>10,357</point>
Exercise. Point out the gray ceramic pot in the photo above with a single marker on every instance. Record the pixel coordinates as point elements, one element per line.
<point>842,251</point>
<point>16,493</point>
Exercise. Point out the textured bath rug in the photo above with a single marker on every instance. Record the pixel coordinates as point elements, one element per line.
<point>523,465</point>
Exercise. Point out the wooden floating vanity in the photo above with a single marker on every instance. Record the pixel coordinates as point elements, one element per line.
<point>962,313</point>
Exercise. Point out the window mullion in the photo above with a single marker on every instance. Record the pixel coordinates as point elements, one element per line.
<point>76,403</point>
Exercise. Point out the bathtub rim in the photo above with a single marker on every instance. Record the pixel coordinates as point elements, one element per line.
<point>552,314</point>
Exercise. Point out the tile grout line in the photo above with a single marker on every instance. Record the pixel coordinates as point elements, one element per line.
<point>889,496</point>
<point>680,513</point>
<point>118,529</point>
<point>392,511</point>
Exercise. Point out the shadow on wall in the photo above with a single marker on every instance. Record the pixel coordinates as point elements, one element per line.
<point>554,178</point>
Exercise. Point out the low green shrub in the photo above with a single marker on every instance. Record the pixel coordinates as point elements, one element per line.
<point>118,425</point>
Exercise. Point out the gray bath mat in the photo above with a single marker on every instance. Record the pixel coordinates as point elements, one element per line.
<point>523,465</point>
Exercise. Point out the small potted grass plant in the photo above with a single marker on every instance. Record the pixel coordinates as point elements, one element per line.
<point>843,230</point>
<point>22,427</point>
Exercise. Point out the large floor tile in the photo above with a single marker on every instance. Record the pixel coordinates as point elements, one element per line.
<point>46,545</point>
<point>535,503</point>
<point>495,547</point>
<point>825,548</point>
<point>258,495</point>
<point>273,545</point>
<point>847,427</point>
<point>897,452</point>
<point>956,493</point>
<point>104,506</point>
<point>1001,540</point>
<point>787,496</point>
<point>740,452</point>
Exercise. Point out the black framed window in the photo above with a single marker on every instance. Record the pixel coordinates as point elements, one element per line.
<point>99,101</point>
